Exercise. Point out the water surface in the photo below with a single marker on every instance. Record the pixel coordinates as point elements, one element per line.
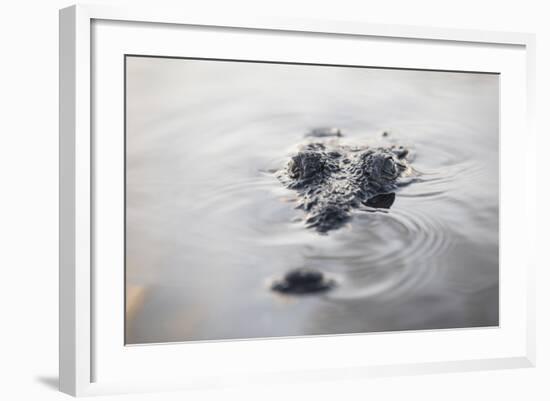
<point>209,226</point>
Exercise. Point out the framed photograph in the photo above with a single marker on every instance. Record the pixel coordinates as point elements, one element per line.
<point>277,200</point>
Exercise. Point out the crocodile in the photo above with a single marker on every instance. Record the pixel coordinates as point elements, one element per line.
<point>332,179</point>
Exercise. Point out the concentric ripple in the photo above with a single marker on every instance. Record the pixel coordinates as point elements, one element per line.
<point>384,253</point>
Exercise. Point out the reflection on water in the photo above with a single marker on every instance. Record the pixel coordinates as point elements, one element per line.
<point>209,227</point>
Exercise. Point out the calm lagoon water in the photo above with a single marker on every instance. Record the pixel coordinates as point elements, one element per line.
<point>209,227</point>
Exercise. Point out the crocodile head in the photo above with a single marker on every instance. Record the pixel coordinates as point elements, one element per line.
<point>331,180</point>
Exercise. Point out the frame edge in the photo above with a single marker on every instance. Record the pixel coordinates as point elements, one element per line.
<point>67,112</point>
<point>74,201</point>
<point>530,79</point>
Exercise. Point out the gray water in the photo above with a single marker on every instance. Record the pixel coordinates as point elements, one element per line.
<point>209,227</point>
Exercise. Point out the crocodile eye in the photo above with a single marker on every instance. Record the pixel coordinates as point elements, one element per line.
<point>382,166</point>
<point>305,165</point>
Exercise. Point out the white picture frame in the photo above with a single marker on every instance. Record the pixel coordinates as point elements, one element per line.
<point>81,345</point>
